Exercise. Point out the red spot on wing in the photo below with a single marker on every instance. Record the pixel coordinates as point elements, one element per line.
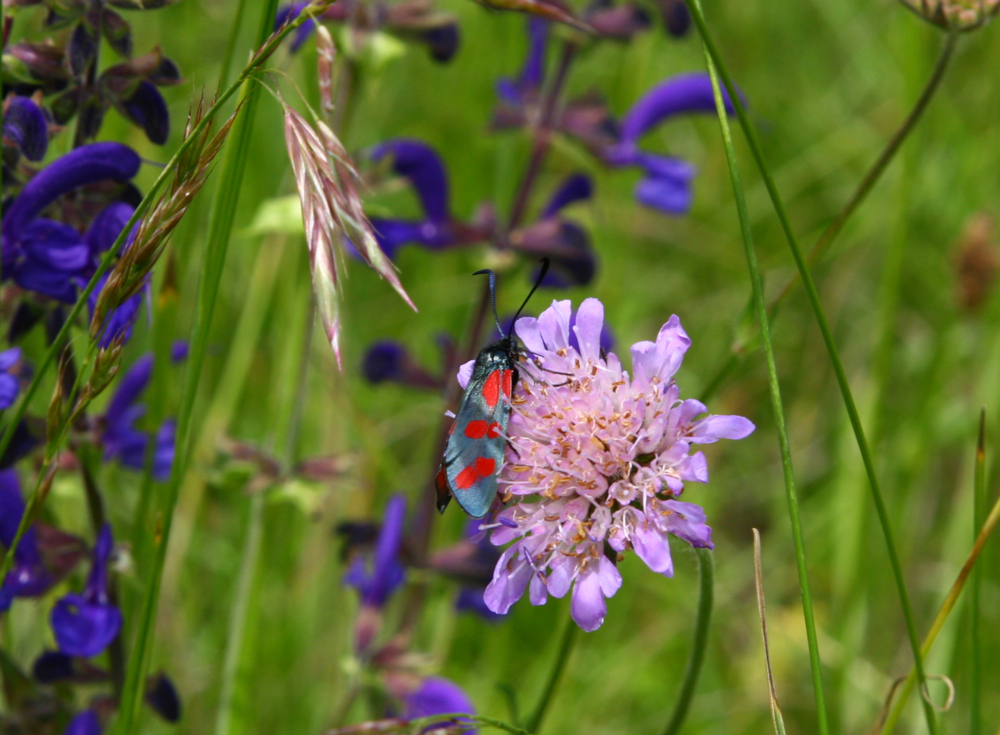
<point>507,378</point>
<point>476,429</point>
<point>491,389</point>
<point>482,467</point>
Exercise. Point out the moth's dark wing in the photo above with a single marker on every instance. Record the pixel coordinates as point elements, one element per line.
<point>476,447</point>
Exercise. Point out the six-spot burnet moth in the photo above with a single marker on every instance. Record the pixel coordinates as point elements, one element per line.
<point>474,453</point>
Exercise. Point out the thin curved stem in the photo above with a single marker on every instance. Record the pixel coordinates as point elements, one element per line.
<point>978,512</point>
<point>706,592</point>
<point>773,385</point>
<point>569,637</point>
<point>845,389</point>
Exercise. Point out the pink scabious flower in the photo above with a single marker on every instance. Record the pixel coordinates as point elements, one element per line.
<point>596,462</point>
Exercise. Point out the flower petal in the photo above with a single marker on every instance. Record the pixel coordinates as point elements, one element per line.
<point>588,323</point>
<point>712,428</point>
<point>25,126</point>
<point>685,93</point>
<point>421,164</point>
<point>87,164</point>
<point>588,607</point>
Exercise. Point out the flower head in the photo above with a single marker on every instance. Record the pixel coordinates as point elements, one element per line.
<point>667,184</point>
<point>84,625</point>
<point>597,462</point>
<point>955,15</point>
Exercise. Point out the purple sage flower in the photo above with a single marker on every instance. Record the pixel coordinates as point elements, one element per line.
<point>29,577</point>
<point>606,456</point>
<point>389,361</point>
<point>667,182</point>
<point>422,166</point>
<point>121,440</point>
<point>377,578</point>
<point>525,89</point>
<point>25,128</point>
<point>9,383</point>
<point>85,723</point>
<point>84,625</point>
<point>437,696</point>
<point>49,257</point>
<point>564,242</point>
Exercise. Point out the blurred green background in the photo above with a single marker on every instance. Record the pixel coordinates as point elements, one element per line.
<point>827,84</point>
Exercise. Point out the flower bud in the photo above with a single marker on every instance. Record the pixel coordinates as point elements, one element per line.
<point>955,15</point>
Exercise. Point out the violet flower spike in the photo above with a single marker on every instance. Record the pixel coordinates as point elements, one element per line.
<point>28,577</point>
<point>667,185</point>
<point>84,625</point>
<point>623,459</point>
<point>376,579</point>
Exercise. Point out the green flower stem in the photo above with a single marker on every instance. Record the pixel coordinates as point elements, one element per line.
<point>773,383</point>
<point>978,511</point>
<point>106,263</point>
<point>942,616</point>
<point>569,637</point>
<point>814,300</point>
<point>706,577</point>
<point>217,242</point>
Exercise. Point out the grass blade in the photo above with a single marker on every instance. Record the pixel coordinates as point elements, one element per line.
<point>758,575</point>
<point>217,242</point>
<point>706,575</point>
<point>775,390</point>
<point>838,367</point>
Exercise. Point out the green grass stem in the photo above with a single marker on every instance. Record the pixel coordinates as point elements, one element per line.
<point>217,242</point>
<point>566,645</point>
<point>706,591</point>
<point>814,300</point>
<point>775,390</point>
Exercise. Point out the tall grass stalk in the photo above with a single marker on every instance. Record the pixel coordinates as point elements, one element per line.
<point>775,390</point>
<point>706,591</point>
<point>216,244</point>
<point>838,367</point>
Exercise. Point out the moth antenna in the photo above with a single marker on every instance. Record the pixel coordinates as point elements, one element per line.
<point>538,282</point>
<point>493,295</point>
